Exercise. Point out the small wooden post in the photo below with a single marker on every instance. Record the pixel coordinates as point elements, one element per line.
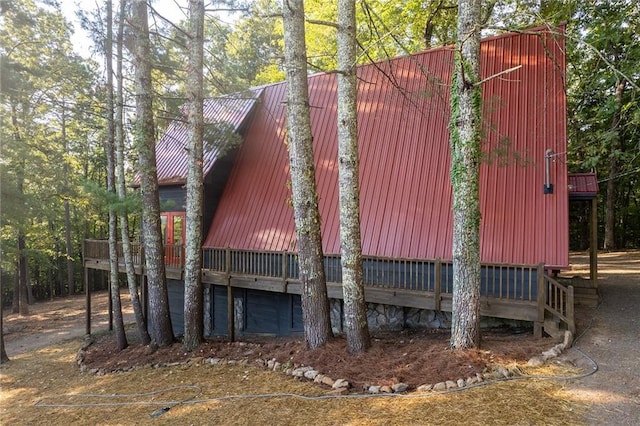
<point>284,271</point>
<point>110,300</point>
<point>570,311</point>
<point>437,284</point>
<point>87,291</point>
<point>230,305</point>
<point>593,244</point>
<point>542,300</point>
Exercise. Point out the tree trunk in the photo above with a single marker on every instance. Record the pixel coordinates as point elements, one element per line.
<point>3,353</point>
<point>67,211</point>
<point>159,317</point>
<point>15,305</point>
<point>141,324</point>
<point>315,303</point>
<point>193,309</point>
<point>121,337</point>
<point>466,100</point>
<point>23,296</point>
<point>355,309</point>
<point>612,198</point>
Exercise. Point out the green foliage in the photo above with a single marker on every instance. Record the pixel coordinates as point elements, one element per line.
<point>50,122</point>
<point>603,53</point>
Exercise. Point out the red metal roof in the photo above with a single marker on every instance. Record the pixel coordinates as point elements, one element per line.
<point>403,113</point>
<point>221,115</point>
<point>583,186</point>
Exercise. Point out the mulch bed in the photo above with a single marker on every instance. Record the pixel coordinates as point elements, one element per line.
<point>411,357</point>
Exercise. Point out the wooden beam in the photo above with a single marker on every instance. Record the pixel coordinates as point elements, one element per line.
<point>231,328</point>
<point>593,244</point>
<point>87,290</point>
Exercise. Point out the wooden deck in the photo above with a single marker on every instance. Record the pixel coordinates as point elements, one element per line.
<point>520,292</point>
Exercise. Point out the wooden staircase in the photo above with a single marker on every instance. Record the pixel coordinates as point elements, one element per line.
<point>584,290</point>
<point>557,312</point>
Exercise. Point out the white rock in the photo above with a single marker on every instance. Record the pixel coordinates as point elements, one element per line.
<point>400,387</point>
<point>425,388</point>
<point>299,372</point>
<point>310,374</point>
<point>386,389</point>
<point>326,380</point>
<point>568,339</point>
<point>340,383</point>
<point>440,386</point>
<point>451,384</point>
<point>374,389</point>
<point>461,383</point>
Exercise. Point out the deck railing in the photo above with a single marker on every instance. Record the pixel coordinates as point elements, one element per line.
<point>99,250</point>
<point>559,302</point>
<point>506,282</point>
<point>498,281</point>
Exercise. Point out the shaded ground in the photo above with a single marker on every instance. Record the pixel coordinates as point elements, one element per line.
<point>58,320</point>
<point>45,376</point>
<point>611,336</point>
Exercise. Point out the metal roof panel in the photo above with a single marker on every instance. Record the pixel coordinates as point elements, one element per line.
<point>405,191</point>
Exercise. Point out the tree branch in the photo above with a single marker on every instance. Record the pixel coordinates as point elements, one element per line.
<point>507,71</point>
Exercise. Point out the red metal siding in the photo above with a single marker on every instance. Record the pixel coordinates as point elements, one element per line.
<point>406,198</point>
<point>583,185</point>
<point>171,154</point>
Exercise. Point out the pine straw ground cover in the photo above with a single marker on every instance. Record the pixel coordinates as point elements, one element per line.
<point>33,384</point>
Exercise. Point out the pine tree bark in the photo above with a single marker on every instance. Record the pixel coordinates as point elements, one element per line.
<point>3,353</point>
<point>466,99</point>
<point>355,310</point>
<point>67,209</point>
<point>23,293</point>
<point>159,322</point>
<point>612,194</point>
<point>118,321</point>
<point>315,302</point>
<point>193,309</point>
<point>141,323</point>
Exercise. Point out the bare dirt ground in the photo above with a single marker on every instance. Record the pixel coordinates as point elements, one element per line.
<point>43,371</point>
<point>58,320</point>
<point>610,334</point>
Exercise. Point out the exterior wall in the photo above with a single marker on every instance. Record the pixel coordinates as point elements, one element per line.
<point>176,305</point>
<point>267,313</point>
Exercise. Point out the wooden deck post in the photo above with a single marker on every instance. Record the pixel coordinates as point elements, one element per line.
<point>284,271</point>
<point>593,244</point>
<point>105,277</point>
<point>87,291</point>
<point>437,284</point>
<point>542,300</point>
<point>571,311</point>
<point>230,305</point>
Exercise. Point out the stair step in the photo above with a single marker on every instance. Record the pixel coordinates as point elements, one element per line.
<point>590,303</point>
<point>584,290</point>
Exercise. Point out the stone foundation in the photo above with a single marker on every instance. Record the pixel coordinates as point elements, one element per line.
<point>382,317</point>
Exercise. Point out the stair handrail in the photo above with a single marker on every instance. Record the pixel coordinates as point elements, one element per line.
<point>559,301</point>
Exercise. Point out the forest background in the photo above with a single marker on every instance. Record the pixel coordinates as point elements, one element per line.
<point>53,120</point>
